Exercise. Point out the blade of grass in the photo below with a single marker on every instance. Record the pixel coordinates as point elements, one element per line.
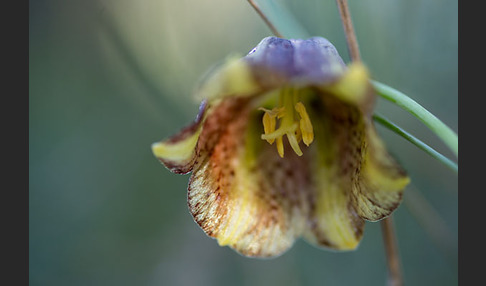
<point>424,147</point>
<point>445,133</point>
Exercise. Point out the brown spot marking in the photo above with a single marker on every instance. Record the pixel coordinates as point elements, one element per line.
<point>357,222</point>
<point>217,144</point>
<point>381,209</point>
<point>178,167</point>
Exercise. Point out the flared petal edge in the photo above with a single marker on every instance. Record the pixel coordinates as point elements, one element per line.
<point>379,190</point>
<point>178,153</point>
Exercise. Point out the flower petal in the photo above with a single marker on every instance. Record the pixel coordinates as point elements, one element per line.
<point>379,190</point>
<point>178,153</point>
<point>272,64</point>
<point>276,62</point>
<point>377,180</point>
<point>354,87</point>
<point>334,222</point>
<point>241,192</point>
<point>232,78</point>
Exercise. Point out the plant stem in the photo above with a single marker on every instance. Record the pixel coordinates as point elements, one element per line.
<point>349,30</point>
<point>392,256</point>
<point>265,19</point>
<point>393,259</point>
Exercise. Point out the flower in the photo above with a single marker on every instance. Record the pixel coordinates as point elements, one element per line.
<point>327,172</point>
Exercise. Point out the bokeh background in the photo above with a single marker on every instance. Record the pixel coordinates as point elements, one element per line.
<point>109,77</point>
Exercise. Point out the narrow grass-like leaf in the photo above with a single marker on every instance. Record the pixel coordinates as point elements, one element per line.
<point>426,148</point>
<point>446,134</point>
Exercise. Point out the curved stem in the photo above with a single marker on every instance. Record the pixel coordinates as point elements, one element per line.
<point>392,256</point>
<point>445,133</point>
<point>265,19</point>
<point>424,147</point>
<point>393,259</point>
<point>349,30</point>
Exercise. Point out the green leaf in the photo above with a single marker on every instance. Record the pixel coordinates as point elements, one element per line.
<point>427,149</point>
<point>445,133</point>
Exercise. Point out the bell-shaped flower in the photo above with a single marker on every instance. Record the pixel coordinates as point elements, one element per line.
<point>284,147</point>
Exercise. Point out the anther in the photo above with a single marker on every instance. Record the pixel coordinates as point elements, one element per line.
<point>305,124</point>
<point>295,124</point>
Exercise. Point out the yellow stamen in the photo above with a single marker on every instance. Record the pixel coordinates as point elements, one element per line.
<point>305,124</point>
<point>283,130</point>
<point>280,147</point>
<point>295,124</point>
<point>269,124</point>
<point>294,143</point>
<point>298,134</point>
<point>270,121</point>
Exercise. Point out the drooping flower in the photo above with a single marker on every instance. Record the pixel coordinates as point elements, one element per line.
<point>284,147</point>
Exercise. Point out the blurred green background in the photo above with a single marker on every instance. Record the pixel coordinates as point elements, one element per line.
<point>109,77</point>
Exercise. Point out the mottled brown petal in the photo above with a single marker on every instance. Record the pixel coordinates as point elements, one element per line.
<point>241,192</point>
<point>334,222</point>
<point>372,178</point>
<point>379,189</point>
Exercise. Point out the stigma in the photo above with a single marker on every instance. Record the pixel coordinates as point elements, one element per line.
<point>290,118</point>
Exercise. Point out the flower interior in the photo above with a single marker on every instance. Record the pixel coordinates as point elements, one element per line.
<point>290,118</point>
